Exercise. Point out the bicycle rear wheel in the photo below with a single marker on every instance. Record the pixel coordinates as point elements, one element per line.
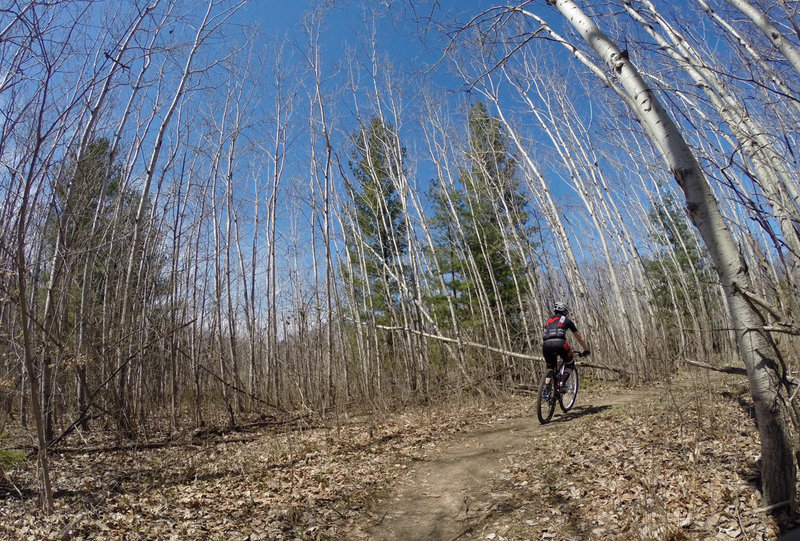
<point>569,392</point>
<point>546,399</point>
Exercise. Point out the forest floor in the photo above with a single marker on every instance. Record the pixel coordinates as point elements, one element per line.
<point>671,462</point>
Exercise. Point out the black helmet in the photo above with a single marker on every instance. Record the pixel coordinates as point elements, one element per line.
<point>561,307</point>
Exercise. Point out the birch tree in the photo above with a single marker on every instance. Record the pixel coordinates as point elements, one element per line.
<point>768,28</point>
<point>763,368</point>
<point>771,170</point>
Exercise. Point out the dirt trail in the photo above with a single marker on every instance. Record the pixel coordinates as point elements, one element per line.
<point>448,494</point>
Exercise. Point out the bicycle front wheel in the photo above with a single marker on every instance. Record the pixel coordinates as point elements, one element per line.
<point>546,399</point>
<point>569,392</point>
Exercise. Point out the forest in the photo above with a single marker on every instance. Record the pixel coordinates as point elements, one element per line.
<point>206,225</point>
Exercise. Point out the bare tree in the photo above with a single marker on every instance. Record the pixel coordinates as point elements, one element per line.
<point>768,28</point>
<point>763,368</point>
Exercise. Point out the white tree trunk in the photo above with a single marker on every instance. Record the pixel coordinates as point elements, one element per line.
<point>778,467</point>
<point>772,33</point>
<point>775,179</point>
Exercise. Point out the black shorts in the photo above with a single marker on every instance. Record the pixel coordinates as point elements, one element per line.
<point>553,349</point>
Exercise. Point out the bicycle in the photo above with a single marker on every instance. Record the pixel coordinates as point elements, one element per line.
<point>562,389</point>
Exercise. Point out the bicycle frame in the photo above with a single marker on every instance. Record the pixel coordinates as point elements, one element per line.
<point>553,388</point>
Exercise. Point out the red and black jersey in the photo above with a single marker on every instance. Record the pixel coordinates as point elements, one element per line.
<point>557,327</point>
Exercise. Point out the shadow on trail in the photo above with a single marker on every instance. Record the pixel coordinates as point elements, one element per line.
<point>578,412</point>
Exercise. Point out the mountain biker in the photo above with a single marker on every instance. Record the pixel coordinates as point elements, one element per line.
<point>554,339</point>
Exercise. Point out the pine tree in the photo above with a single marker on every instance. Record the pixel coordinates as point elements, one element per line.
<point>672,233</point>
<point>380,233</point>
<point>83,204</point>
<point>90,233</point>
<point>492,212</point>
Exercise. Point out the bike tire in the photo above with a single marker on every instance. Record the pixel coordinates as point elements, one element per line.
<point>568,394</point>
<point>546,398</point>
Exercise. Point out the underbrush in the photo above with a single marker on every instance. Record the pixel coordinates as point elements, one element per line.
<point>299,481</point>
<point>675,463</point>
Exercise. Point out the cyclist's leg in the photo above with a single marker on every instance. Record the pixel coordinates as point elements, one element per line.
<point>568,355</point>
<point>551,349</point>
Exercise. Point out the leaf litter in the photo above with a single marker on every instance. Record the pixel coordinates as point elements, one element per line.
<point>679,464</point>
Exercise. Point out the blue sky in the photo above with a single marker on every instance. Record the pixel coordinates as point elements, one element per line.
<point>344,24</point>
<point>397,38</point>
<point>343,27</point>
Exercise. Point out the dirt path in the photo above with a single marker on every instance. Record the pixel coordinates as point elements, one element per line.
<point>449,493</point>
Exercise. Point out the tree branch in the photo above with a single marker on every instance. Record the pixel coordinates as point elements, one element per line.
<point>514,354</point>
<point>738,370</point>
<point>464,342</point>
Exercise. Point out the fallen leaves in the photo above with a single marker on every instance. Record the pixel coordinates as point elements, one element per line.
<point>311,483</point>
<point>653,473</point>
<point>674,467</point>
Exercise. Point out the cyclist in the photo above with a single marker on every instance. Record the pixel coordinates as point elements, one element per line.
<point>554,340</point>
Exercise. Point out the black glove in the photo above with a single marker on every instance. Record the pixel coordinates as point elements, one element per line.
<point>585,353</point>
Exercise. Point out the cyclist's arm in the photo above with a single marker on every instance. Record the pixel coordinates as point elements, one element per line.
<point>580,340</point>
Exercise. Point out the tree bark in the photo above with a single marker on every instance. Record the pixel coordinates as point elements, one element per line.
<point>778,466</point>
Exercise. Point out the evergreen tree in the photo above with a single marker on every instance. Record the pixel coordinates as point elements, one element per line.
<point>85,204</point>
<point>492,212</point>
<point>376,163</point>
<point>91,229</point>
<point>673,234</point>
<point>683,282</point>
<point>82,205</point>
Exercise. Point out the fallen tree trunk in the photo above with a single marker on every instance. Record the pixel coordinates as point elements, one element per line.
<point>513,354</point>
<point>739,371</point>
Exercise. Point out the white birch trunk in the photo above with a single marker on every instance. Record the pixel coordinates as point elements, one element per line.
<point>775,36</point>
<point>774,177</point>
<point>778,466</point>
<point>742,40</point>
